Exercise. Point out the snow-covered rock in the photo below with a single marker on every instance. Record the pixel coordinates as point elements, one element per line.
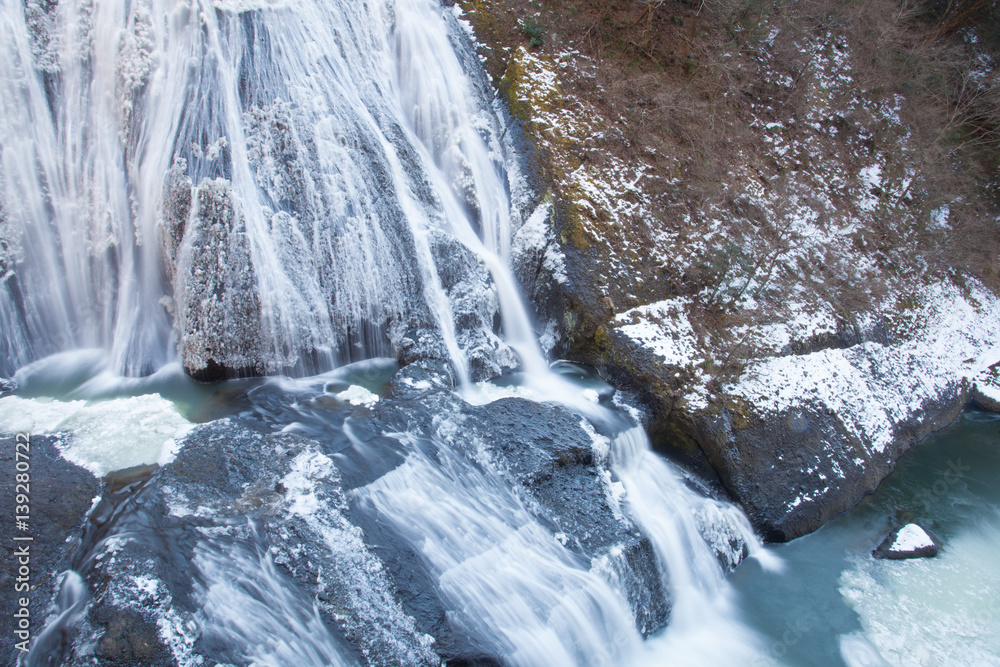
<point>986,390</point>
<point>909,541</point>
<point>357,395</point>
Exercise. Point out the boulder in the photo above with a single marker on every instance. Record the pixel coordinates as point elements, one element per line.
<point>908,541</point>
<point>244,533</point>
<point>986,389</point>
<point>541,451</point>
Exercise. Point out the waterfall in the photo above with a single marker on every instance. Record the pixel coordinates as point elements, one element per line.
<point>519,591</point>
<point>256,187</point>
<point>283,187</point>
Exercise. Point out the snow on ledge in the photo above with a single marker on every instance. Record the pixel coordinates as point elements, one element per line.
<point>871,387</point>
<point>988,383</point>
<point>663,328</point>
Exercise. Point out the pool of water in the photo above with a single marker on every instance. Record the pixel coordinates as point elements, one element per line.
<point>833,604</point>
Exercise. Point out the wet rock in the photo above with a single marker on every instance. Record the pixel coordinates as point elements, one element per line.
<point>475,307</point>
<point>7,387</point>
<point>241,518</point>
<point>305,524</point>
<point>60,495</point>
<point>421,378</point>
<point>909,541</point>
<point>544,450</point>
<point>177,200</point>
<point>217,312</point>
<point>419,342</point>
<point>719,531</point>
<point>129,639</point>
<point>174,564</point>
<point>795,470</point>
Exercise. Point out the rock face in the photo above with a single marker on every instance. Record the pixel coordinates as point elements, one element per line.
<point>217,304</point>
<point>986,389</point>
<point>740,295</point>
<point>474,305</point>
<point>811,423</point>
<point>909,541</point>
<point>795,470</point>
<point>798,419</point>
<point>60,496</point>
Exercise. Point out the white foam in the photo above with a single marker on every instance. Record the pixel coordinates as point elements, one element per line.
<point>857,651</point>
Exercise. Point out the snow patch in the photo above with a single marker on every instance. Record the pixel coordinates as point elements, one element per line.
<point>663,328</point>
<point>358,395</point>
<point>871,387</point>
<point>910,538</point>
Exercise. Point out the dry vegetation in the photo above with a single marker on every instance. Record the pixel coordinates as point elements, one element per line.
<point>683,87</point>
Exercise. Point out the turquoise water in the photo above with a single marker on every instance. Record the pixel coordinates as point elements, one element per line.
<point>836,605</point>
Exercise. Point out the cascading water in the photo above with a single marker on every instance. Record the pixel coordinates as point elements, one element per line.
<point>268,187</point>
<point>248,167</point>
<point>704,627</point>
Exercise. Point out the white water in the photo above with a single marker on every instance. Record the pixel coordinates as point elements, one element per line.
<point>246,602</point>
<point>704,626</point>
<point>340,134</point>
<point>344,136</point>
<point>513,585</point>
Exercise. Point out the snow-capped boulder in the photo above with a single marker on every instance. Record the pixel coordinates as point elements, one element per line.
<point>909,541</point>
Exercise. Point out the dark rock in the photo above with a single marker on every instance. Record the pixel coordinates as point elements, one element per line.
<point>129,639</point>
<point>421,378</point>
<point>909,541</point>
<point>234,470</point>
<point>224,514</point>
<point>217,306</point>
<point>794,471</point>
<point>986,390</point>
<point>178,193</point>
<point>243,509</point>
<point>61,494</point>
<point>419,342</point>
<point>474,305</point>
<point>543,449</point>
<point>7,387</point>
<point>984,401</point>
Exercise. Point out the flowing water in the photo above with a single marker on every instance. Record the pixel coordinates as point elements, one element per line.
<point>285,187</point>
